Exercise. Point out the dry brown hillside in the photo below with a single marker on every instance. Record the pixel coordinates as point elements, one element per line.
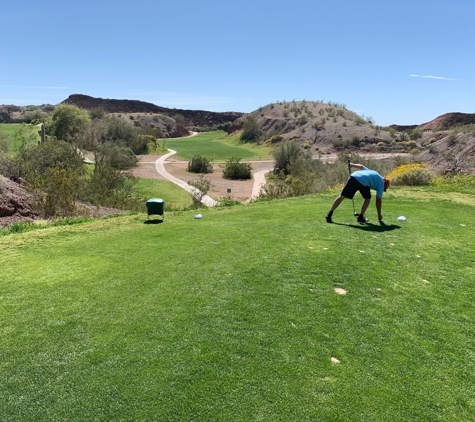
<point>318,126</point>
<point>446,143</point>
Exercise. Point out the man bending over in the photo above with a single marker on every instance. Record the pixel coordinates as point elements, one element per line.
<point>362,180</point>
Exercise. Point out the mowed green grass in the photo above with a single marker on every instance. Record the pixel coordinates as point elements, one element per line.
<point>217,146</point>
<point>11,128</point>
<point>235,317</point>
<point>173,195</point>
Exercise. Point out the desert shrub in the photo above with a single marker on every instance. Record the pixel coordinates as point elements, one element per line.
<point>138,145</point>
<point>33,161</point>
<point>287,187</point>
<point>274,139</point>
<point>355,141</point>
<point>199,164</point>
<point>250,130</point>
<point>235,170</point>
<point>415,174</point>
<point>452,139</point>
<point>35,115</point>
<point>97,113</point>
<point>340,143</point>
<point>202,185</point>
<point>180,119</point>
<point>56,191</point>
<point>117,129</point>
<point>285,155</point>
<point>224,126</point>
<point>415,133</point>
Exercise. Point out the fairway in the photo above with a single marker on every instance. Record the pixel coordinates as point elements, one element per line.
<point>215,145</point>
<point>11,129</point>
<point>173,195</point>
<point>238,316</point>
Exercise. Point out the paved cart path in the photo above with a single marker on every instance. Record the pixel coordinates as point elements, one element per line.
<point>159,165</point>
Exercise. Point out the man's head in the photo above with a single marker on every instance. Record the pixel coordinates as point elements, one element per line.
<point>387,183</point>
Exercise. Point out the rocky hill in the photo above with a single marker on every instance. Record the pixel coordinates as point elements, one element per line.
<point>318,126</point>
<point>447,143</point>
<point>449,121</point>
<point>192,118</point>
<point>11,114</point>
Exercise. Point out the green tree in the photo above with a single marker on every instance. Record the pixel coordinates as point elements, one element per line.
<point>68,122</point>
<point>34,161</point>
<point>118,129</point>
<point>57,190</point>
<point>116,155</point>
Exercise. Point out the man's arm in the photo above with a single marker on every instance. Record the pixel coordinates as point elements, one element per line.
<point>357,166</point>
<point>379,203</point>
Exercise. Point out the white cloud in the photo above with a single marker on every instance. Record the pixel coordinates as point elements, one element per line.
<point>433,77</point>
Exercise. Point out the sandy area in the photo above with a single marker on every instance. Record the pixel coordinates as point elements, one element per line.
<point>241,190</point>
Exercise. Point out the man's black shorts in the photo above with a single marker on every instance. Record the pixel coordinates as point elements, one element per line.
<point>352,186</point>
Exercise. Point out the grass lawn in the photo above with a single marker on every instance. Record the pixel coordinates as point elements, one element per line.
<point>11,128</point>
<point>218,146</point>
<point>173,195</point>
<point>235,317</point>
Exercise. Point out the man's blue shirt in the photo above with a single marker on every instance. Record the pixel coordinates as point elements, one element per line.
<point>370,178</point>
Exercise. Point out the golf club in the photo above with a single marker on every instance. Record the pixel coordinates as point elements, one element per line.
<point>352,199</point>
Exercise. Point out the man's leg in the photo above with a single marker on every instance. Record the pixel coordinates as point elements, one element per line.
<point>335,205</point>
<point>364,207</point>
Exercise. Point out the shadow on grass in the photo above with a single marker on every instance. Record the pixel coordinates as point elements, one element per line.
<point>153,221</point>
<point>381,227</point>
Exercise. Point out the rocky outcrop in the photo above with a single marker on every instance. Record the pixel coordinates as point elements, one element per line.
<point>15,203</point>
<point>448,120</point>
<point>192,117</point>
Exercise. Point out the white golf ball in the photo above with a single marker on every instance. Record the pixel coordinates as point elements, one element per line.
<point>401,218</point>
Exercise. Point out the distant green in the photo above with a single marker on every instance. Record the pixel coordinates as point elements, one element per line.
<point>218,146</point>
<point>235,317</point>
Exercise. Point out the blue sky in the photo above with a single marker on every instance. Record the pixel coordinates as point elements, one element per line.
<point>401,61</point>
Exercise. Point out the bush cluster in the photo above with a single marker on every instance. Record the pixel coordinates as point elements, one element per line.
<point>415,174</point>
<point>235,170</point>
<point>199,164</point>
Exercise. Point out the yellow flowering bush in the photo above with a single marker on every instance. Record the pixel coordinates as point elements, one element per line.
<point>415,174</point>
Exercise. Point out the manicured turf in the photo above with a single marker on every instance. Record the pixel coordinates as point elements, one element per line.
<point>173,195</point>
<point>234,317</point>
<point>217,146</point>
<point>11,128</point>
